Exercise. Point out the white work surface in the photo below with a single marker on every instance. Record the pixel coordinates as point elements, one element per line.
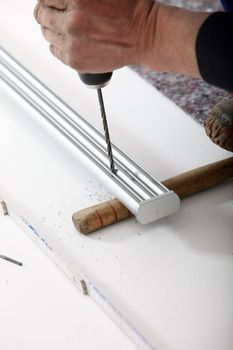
<point>39,309</point>
<point>173,279</point>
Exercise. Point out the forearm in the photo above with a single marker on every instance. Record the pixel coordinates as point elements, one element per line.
<point>198,44</point>
<point>173,48</point>
<point>214,50</point>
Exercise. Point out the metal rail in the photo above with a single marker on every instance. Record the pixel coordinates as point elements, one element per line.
<point>145,197</point>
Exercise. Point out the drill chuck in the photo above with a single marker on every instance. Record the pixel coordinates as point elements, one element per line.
<point>96,80</point>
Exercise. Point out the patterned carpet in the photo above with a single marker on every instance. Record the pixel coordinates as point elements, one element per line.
<point>194,96</point>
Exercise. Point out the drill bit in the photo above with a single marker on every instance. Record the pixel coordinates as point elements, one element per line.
<point>107,137</point>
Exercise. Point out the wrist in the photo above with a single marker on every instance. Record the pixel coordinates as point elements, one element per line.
<point>173,45</point>
<point>146,28</point>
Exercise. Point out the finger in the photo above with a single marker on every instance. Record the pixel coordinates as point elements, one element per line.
<point>53,38</point>
<point>58,4</point>
<point>36,9</point>
<point>50,18</point>
<point>59,54</point>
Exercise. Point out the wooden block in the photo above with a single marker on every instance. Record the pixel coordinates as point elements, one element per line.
<point>101,215</point>
<point>104,214</point>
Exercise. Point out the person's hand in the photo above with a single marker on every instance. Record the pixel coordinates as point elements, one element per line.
<point>97,36</point>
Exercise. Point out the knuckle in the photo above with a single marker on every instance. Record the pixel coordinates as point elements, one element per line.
<point>44,16</point>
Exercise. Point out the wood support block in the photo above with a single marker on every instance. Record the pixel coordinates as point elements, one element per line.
<point>104,214</point>
<point>101,215</point>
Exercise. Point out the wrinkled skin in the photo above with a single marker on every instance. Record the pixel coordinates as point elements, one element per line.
<point>97,36</point>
